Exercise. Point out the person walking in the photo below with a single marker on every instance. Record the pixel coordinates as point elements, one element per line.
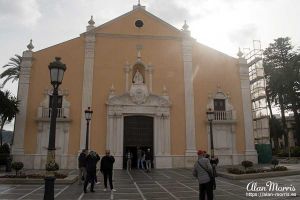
<point>139,158</point>
<point>106,169</point>
<point>143,160</point>
<point>203,172</point>
<point>128,157</point>
<point>82,166</point>
<point>148,158</point>
<point>91,162</point>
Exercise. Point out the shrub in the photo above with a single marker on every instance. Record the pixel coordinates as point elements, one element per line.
<point>35,176</point>
<point>282,153</point>
<point>251,171</point>
<point>17,166</point>
<point>235,171</point>
<point>279,168</point>
<point>246,164</point>
<point>274,162</point>
<point>295,151</point>
<point>60,175</point>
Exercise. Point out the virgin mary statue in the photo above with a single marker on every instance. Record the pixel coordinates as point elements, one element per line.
<point>138,78</point>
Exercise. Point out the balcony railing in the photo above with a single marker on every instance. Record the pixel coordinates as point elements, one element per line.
<point>61,113</point>
<point>223,115</point>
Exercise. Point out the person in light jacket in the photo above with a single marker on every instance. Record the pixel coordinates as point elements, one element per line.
<point>201,171</point>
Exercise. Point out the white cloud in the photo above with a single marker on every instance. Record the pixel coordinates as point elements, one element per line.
<point>242,35</point>
<point>19,12</point>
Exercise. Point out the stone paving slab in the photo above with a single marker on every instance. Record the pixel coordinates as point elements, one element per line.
<point>158,185</point>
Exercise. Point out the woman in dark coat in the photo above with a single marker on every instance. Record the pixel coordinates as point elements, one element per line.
<point>91,162</point>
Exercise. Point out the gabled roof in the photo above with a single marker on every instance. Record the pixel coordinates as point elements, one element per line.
<point>125,24</point>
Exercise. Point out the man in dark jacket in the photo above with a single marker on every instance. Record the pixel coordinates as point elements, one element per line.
<point>106,169</point>
<point>91,162</point>
<point>81,166</point>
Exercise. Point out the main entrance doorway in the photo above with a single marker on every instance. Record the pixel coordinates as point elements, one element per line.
<point>138,134</point>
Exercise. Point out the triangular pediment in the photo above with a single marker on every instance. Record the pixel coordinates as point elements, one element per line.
<point>125,25</point>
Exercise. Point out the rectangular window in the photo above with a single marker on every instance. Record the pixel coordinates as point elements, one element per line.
<point>219,104</point>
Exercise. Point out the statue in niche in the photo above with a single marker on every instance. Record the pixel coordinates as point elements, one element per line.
<point>138,78</point>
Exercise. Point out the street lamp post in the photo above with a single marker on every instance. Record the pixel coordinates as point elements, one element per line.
<point>57,69</point>
<point>210,116</point>
<point>88,117</point>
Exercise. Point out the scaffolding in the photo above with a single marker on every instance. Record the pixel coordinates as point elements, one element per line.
<point>258,93</point>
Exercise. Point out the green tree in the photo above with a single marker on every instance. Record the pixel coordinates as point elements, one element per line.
<point>281,65</point>
<point>8,109</point>
<point>275,131</point>
<point>292,94</point>
<point>13,69</point>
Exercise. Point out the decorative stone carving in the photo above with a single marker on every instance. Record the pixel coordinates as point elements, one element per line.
<point>139,93</point>
<point>139,102</point>
<point>220,95</point>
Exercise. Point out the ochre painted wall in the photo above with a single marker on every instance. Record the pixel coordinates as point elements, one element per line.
<point>72,54</point>
<point>212,69</point>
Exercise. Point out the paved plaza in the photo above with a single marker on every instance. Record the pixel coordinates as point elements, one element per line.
<point>159,184</point>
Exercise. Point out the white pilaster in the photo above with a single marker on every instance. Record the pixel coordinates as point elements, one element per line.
<point>157,135</point>
<point>87,90</point>
<point>250,152</point>
<point>23,86</point>
<point>187,44</point>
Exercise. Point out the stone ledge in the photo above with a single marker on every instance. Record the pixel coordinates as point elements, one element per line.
<point>258,175</point>
<point>68,180</point>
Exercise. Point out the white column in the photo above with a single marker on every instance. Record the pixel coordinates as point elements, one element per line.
<point>250,151</point>
<point>157,133</point>
<point>187,44</point>
<point>167,136</point>
<point>110,131</point>
<point>87,90</point>
<point>119,136</point>
<point>162,141</point>
<point>114,137</point>
<point>23,86</point>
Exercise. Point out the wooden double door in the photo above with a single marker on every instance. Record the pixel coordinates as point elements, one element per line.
<point>138,134</point>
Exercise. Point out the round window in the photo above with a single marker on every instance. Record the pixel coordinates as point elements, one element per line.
<point>139,23</point>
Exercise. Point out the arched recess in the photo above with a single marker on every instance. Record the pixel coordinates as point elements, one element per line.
<point>141,68</point>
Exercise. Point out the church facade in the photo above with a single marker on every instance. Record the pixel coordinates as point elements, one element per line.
<point>149,86</point>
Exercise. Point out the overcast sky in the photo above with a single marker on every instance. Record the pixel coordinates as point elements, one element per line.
<point>224,25</point>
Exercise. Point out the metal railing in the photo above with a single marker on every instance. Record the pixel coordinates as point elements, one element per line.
<point>223,115</point>
<point>46,113</point>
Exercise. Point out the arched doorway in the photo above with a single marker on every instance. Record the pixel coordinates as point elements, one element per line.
<point>138,133</point>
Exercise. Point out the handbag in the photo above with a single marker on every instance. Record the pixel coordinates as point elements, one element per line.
<point>211,176</point>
